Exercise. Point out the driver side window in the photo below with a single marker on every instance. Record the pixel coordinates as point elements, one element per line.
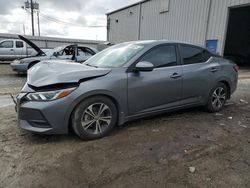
<point>161,56</point>
<point>66,52</point>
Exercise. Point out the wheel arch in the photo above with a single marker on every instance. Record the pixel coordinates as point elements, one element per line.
<point>32,63</point>
<point>227,84</point>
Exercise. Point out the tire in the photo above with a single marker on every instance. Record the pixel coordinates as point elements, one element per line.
<point>94,118</point>
<point>217,97</point>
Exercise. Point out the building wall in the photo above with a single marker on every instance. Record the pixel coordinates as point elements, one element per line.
<point>192,21</point>
<point>124,25</point>
<point>217,25</point>
<point>185,21</point>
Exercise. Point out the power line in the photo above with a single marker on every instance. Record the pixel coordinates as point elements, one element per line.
<point>52,19</point>
<point>56,20</point>
<point>2,22</point>
<point>29,4</point>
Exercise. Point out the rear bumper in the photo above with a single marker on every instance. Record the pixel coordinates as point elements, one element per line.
<point>19,67</point>
<point>234,82</point>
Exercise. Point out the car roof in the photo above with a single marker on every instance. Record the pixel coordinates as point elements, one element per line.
<point>162,41</point>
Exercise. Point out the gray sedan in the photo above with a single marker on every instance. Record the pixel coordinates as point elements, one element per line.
<point>122,83</point>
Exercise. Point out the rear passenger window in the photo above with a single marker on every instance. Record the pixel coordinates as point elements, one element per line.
<point>206,55</point>
<point>19,44</point>
<point>161,56</point>
<point>191,55</point>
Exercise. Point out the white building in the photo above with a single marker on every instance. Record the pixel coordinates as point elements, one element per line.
<point>221,25</point>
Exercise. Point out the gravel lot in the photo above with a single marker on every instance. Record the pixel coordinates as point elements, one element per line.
<point>154,152</point>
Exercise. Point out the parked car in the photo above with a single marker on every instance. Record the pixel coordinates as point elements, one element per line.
<point>11,49</point>
<point>122,83</point>
<point>73,52</point>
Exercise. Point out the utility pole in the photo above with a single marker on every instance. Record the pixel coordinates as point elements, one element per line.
<point>32,16</point>
<point>24,29</point>
<point>38,23</point>
<point>32,6</point>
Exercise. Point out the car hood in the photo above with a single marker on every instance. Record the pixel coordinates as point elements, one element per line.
<point>35,58</point>
<point>35,47</point>
<point>52,73</point>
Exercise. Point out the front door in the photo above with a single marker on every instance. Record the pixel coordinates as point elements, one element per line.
<point>19,50</point>
<point>159,89</point>
<point>7,50</point>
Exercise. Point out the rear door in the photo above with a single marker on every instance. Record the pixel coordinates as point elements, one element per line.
<point>199,73</point>
<point>19,49</point>
<point>159,89</point>
<point>7,50</point>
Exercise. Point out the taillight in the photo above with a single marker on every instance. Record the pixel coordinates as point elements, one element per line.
<point>236,68</point>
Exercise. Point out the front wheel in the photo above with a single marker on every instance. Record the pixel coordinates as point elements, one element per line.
<point>217,98</point>
<point>94,118</point>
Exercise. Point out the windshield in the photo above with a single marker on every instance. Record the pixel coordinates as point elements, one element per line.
<point>115,56</point>
<point>52,51</point>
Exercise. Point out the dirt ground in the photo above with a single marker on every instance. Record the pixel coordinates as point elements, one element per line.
<point>154,152</point>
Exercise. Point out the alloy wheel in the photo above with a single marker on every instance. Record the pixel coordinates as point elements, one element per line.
<point>218,97</point>
<point>96,118</point>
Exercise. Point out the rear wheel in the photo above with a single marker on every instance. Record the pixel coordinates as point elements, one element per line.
<point>94,118</point>
<point>217,98</point>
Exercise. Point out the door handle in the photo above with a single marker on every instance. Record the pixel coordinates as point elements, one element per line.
<point>175,75</point>
<point>213,69</point>
<point>11,49</point>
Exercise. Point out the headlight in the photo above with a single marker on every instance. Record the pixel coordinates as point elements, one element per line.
<point>17,61</point>
<point>49,95</point>
<point>21,62</point>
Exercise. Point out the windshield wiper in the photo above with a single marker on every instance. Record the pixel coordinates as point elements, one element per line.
<point>90,65</point>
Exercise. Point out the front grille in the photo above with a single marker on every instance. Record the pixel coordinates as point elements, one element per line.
<point>30,114</point>
<point>34,117</point>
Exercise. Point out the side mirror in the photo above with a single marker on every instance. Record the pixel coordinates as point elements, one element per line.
<point>55,54</point>
<point>144,66</point>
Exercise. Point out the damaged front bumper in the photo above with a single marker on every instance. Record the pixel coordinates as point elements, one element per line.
<point>20,68</point>
<point>43,117</point>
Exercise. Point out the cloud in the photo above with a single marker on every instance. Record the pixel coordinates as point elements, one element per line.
<point>7,6</point>
<point>50,31</point>
<point>64,5</point>
<point>65,18</point>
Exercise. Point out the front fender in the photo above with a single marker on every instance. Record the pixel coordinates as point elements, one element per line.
<point>120,107</point>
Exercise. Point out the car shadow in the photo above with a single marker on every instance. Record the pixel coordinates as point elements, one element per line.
<point>178,114</point>
<point>21,75</point>
<point>184,114</point>
<point>42,138</point>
